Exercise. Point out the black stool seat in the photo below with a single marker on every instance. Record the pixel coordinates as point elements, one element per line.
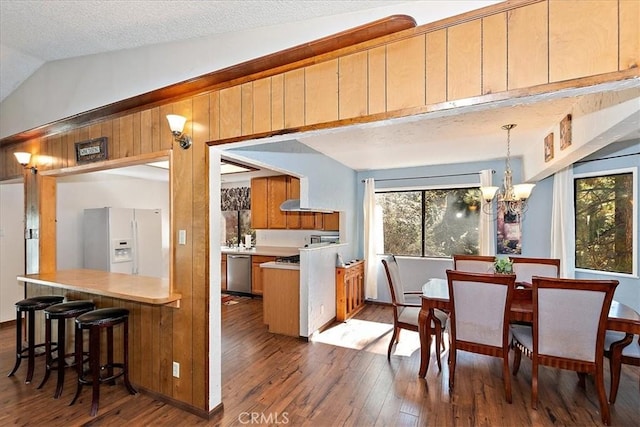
<point>29,306</point>
<point>96,321</point>
<point>70,309</point>
<point>39,303</point>
<point>61,312</point>
<point>102,316</point>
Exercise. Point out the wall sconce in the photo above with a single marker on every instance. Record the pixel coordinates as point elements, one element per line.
<point>24,158</point>
<point>176,124</point>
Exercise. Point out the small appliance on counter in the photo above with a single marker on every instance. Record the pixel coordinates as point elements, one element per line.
<point>325,238</point>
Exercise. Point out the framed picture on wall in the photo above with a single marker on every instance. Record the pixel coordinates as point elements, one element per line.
<point>565,132</point>
<point>93,150</point>
<point>548,147</point>
<point>509,233</point>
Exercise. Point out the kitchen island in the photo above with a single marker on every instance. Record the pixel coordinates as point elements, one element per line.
<point>281,297</point>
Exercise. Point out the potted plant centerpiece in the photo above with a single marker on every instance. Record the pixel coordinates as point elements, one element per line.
<point>503,265</point>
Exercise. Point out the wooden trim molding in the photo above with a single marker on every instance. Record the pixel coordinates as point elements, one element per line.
<point>356,35</point>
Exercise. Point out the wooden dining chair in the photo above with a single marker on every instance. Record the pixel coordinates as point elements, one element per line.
<point>569,323</point>
<point>479,318</point>
<point>525,268</point>
<point>628,354</point>
<point>405,315</point>
<point>473,263</point>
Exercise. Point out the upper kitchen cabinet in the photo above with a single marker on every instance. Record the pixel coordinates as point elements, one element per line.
<point>276,195</point>
<point>267,194</point>
<point>331,221</point>
<point>259,201</point>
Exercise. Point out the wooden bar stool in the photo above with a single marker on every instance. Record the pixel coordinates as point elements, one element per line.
<point>96,321</point>
<point>29,307</point>
<point>61,312</point>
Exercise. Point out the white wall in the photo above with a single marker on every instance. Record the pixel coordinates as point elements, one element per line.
<point>318,286</point>
<point>98,190</point>
<point>11,248</point>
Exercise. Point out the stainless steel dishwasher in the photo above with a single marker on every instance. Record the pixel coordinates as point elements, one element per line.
<point>239,273</point>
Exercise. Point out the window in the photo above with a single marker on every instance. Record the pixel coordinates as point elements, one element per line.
<point>605,217</point>
<point>235,204</point>
<point>433,223</point>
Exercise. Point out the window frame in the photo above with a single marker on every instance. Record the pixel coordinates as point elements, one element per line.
<point>421,189</point>
<point>634,185</point>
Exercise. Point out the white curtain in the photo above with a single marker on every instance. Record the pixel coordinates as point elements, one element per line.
<point>370,256</point>
<point>487,230</point>
<point>563,245</point>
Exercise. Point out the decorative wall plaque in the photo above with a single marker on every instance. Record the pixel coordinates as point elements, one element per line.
<point>93,150</point>
<point>548,147</point>
<point>565,132</point>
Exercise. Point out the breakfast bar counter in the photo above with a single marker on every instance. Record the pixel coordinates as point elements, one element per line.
<point>143,289</point>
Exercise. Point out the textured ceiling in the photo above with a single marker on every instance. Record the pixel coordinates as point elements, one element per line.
<point>33,32</point>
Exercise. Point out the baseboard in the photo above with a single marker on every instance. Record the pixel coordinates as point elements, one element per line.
<point>321,329</point>
<point>375,302</point>
<point>207,415</point>
<point>8,324</point>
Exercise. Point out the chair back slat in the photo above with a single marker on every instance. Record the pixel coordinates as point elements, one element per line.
<point>564,332</point>
<point>473,263</point>
<point>526,268</point>
<point>479,306</point>
<point>393,277</point>
<point>569,317</point>
<point>479,311</point>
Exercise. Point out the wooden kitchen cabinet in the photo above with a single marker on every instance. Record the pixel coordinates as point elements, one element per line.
<point>267,194</point>
<point>349,290</point>
<point>259,211</point>
<point>276,195</point>
<point>311,220</point>
<point>256,276</point>
<point>223,272</point>
<point>331,221</point>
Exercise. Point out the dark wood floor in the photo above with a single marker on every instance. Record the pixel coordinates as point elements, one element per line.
<point>342,378</point>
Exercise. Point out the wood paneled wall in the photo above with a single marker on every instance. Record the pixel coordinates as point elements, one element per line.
<point>524,49</point>
<point>512,49</point>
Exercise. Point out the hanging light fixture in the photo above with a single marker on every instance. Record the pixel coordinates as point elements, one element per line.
<point>511,199</point>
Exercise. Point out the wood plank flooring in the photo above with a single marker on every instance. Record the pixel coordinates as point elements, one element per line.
<point>281,380</point>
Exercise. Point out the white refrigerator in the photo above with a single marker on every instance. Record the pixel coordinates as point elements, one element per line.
<point>123,240</point>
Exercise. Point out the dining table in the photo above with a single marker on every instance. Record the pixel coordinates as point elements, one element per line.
<point>435,294</point>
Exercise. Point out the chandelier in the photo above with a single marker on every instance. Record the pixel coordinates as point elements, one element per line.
<point>511,199</point>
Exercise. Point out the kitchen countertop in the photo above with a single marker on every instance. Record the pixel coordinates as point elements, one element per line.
<point>150,290</point>
<point>263,250</point>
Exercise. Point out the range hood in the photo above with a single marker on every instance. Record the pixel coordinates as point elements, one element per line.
<point>293,205</point>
